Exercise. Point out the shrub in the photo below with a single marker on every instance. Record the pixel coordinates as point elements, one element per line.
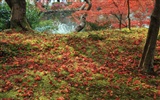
<point>96,26</point>
<point>45,26</point>
<point>4,16</point>
<point>33,15</point>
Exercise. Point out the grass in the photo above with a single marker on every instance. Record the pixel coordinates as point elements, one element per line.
<point>95,65</point>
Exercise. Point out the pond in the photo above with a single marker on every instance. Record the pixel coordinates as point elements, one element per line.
<point>64,28</point>
<point>61,21</point>
<point>57,26</point>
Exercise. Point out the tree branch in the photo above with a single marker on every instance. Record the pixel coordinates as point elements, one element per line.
<point>83,17</point>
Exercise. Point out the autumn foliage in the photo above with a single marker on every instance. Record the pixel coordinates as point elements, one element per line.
<point>98,65</point>
<point>114,12</point>
<point>93,65</point>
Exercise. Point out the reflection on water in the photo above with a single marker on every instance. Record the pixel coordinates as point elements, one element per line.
<point>64,28</point>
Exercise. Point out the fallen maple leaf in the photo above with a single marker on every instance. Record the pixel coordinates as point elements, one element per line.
<point>137,42</point>
<point>71,75</point>
<point>136,82</point>
<point>137,88</point>
<point>37,78</point>
<point>129,80</point>
<point>60,98</point>
<point>158,92</point>
<point>110,92</point>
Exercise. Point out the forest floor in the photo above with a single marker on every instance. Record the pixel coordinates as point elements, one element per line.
<point>94,65</point>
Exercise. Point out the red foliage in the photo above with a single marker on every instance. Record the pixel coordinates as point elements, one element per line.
<point>114,11</point>
<point>56,6</point>
<point>37,78</point>
<point>40,6</point>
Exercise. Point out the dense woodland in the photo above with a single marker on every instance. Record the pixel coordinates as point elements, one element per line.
<point>112,54</point>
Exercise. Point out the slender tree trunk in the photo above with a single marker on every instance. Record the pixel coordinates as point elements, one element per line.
<point>18,19</point>
<point>120,21</point>
<point>149,48</point>
<point>83,17</point>
<point>129,20</point>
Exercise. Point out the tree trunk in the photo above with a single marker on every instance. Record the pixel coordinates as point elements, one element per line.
<point>129,20</point>
<point>83,17</point>
<point>18,19</point>
<point>149,48</point>
<point>120,21</point>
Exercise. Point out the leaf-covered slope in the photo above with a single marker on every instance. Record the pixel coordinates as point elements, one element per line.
<point>96,65</point>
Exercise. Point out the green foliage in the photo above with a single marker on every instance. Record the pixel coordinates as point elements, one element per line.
<point>45,26</point>
<point>33,15</point>
<point>96,37</point>
<point>4,16</point>
<point>96,26</point>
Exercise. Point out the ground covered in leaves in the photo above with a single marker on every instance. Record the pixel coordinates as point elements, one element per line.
<point>98,65</point>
